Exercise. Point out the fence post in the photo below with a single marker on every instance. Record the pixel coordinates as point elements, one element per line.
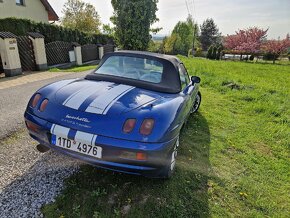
<point>10,54</point>
<point>39,50</point>
<point>101,52</point>
<point>78,54</point>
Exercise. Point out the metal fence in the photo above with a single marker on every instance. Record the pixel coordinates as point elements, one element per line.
<point>90,52</point>
<point>58,52</point>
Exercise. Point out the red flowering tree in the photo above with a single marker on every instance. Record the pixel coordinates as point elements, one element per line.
<point>276,47</point>
<point>247,41</point>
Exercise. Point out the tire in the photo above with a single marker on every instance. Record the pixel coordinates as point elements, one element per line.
<point>171,162</point>
<point>196,104</point>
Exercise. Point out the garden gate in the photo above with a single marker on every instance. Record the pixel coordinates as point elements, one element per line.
<point>26,53</point>
<point>90,52</point>
<point>108,48</point>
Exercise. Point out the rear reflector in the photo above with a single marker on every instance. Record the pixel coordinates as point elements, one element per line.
<point>133,155</point>
<point>35,100</point>
<point>31,126</point>
<point>141,156</point>
<point>129,125</point>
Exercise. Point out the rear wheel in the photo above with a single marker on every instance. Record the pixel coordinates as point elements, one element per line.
<point>171,162</point>
<point>196,103</point>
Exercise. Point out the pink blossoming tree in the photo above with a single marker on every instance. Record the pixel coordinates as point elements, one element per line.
<point>276,47</point>
<point>247,41</point>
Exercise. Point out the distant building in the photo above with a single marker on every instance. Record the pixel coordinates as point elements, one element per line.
<point>36,10</point>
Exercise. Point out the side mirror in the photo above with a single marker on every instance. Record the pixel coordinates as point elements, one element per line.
<point>195,79</point>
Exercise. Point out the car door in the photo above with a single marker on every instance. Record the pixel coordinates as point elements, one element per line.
<point>188,89</point>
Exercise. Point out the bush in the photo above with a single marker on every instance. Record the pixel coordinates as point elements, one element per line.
<point>52,32</point>
<point>214,52</point>
<point>210,52</point>
<point>269,57</point>
<point>198,53</point>
<point>219,52</point>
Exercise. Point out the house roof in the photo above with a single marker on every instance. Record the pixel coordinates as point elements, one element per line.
<point>52,16</point>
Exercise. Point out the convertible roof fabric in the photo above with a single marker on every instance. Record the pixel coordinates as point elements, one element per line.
<point>170,82</point>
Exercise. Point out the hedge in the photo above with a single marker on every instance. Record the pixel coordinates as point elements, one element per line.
<point>52,32</point>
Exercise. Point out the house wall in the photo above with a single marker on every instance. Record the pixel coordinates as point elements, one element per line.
<point>32,9</point>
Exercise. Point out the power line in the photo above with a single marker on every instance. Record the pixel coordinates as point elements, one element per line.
<point>186,3</point>
<point>195,15</point>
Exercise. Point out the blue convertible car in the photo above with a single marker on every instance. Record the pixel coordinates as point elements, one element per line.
<point>124,116</point>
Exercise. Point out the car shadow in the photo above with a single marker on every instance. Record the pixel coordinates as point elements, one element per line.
<point>107,193</point>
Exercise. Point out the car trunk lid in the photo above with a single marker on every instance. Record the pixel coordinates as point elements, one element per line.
<point>101,97</point>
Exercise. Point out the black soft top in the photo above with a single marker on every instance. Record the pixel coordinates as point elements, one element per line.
<point>170,81</point>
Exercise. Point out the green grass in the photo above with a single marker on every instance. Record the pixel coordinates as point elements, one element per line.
<point>75,69</point>
<point>233,159</point>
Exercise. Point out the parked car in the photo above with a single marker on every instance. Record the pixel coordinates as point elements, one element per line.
<point>125,116</point>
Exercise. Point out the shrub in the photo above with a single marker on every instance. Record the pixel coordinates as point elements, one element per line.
<point>210,52</point>
<point>52,32</point>
<point>198,53</point>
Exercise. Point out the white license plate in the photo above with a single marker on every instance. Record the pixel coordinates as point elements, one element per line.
<point>80,147</point>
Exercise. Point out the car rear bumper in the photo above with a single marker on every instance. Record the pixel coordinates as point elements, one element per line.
<point>157,153</point>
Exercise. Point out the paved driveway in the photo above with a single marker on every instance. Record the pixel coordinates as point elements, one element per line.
<point>16,92</point>
<point>28,179</point>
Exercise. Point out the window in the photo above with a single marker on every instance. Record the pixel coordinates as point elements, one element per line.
<point>183,76</point>
<point>20,2</point>
<point>132,68</point>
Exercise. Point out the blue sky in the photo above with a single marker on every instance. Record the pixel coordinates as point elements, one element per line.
<point>229,15</point>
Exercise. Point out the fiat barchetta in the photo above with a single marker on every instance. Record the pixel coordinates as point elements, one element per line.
<point>124,116</point>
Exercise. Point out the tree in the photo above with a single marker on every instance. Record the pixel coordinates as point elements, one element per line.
<point>132,20</point>
<point>182,38</point>
<point>169,44</point>
<point>184,33</point>
<point>81,16</point>
<point>108,30</point>
<point>209,34</point>
<point>246,41</point>
<point>275,48</point>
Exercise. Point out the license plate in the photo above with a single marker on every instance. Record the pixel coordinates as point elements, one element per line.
<point>72,145</point>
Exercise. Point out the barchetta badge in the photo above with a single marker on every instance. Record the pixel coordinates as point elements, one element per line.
<point>83,119</point>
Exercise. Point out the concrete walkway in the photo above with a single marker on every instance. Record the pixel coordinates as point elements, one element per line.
<point>8,82</point>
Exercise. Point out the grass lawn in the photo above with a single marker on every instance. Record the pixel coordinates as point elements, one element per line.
<point>233,159</point>
<point>75,69</point>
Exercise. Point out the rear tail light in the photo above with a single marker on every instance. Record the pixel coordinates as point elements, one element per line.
<point>147,126</point>
<point>43,105</point>
<point>35,100</point>
<point>129,125</point>
<point>31,126</point>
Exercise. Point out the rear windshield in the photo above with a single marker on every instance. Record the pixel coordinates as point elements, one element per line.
<point>131,67</point>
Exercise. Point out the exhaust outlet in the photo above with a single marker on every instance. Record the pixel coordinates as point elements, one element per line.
<point>42,149</point>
